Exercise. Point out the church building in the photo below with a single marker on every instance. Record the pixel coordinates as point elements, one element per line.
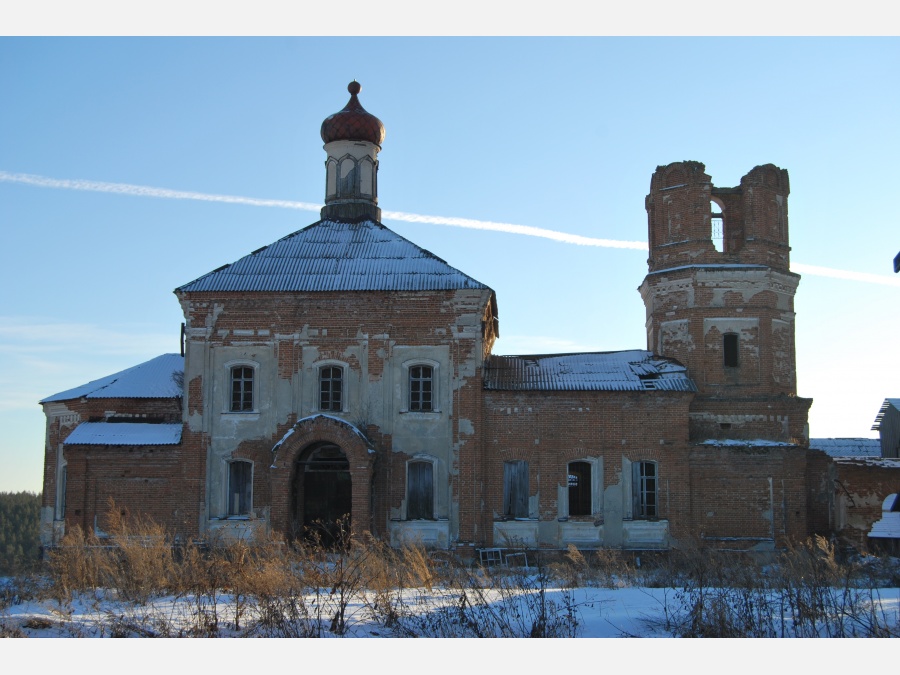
<point>345,372</point>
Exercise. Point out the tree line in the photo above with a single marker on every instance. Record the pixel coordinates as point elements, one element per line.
<point>20,515</point>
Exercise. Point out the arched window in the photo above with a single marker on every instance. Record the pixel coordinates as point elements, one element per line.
<point>717,226</point>
<point>331,388</point>
<point>730,350</point>
<point>645,490</point>
<point>421,389</point>
<point>241,388</point>
<point>515,489</point>
<point>420,490</point>
<point>240,488</point>
<point>579,480</point>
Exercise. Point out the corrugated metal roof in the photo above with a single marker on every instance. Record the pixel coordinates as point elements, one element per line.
<point>888,403</point>
<point>337,256</point>
<point>847,447</point>
<point>155,378</point>
<point>124,433</point>
<point>632,370</point>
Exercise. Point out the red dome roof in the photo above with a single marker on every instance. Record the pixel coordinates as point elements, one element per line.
<point>353,123</point>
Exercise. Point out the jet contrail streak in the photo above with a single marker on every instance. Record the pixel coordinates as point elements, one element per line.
<point>510,228</point>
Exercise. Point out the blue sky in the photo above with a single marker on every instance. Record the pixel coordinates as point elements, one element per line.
<point>561,134</point>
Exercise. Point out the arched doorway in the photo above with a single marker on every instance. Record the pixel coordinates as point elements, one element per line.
<point>322,494</point>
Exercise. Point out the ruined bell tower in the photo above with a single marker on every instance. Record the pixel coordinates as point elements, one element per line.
<point>719,296</point>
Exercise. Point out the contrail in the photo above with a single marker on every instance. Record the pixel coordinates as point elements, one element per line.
<point>510,228</point>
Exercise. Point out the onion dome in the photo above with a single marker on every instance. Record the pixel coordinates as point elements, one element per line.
<point>353,123</point>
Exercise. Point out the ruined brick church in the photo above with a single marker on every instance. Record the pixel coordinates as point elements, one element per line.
<point>343,371</point>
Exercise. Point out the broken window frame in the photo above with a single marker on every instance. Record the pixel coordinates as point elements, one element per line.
<point>331,388</point>
<point>420,490</point>
<point>731,350</point>
<point>515,489</point>
<point>239,496</point>
<point>645,490</point>
<point>580,494</point>
<point>241,393</point>
<point>421,388</point>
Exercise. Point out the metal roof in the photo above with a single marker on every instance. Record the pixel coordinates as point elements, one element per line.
<point>124,433</point>
<point>156,378</point>
<point>337,256</point>
<point>632,370</point>
<point>847,447</point>
<point>879,418</point>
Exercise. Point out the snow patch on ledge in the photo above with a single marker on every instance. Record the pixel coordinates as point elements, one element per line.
<point>755,442</point>
<point>290,431</point>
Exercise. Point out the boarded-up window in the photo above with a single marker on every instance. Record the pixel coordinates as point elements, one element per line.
<point>331,380</point>
<point>730,350</point>
<point>241,388</point>
<point>420,491</point>
<point>349,180</point>
<point>240,488</point>
<point>579,480</point>
<point>645,490</point>
<point>421,381</point>
<point>515,489</point>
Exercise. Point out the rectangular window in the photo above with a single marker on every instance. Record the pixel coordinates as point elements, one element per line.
<point>645,490</point>
<point>240,488</point>
<point>331,379</point>
<point>420,388</point>
<point>579,489</point>
<point>730,350</point>
<point>420,491</point>
<point>515,489</point>
<point>241,388</point>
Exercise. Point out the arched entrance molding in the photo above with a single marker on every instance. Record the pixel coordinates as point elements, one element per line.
<point>315,430</point>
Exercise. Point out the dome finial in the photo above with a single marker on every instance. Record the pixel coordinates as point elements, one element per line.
<point>354,87</point>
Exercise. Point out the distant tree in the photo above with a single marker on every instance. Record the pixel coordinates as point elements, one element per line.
<point>20,517</point>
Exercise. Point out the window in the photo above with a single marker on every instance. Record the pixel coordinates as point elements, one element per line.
<point>579,480</point>
<point>331,379</point>
<point>420,491</point>
<point>421,380</point>
<point>241,388</point>
<point>645,490</point>
<point>730,350</point>
<point>515,489</point>
<point>717,226</point>
<point>240,488</point>
<point>63,476</point>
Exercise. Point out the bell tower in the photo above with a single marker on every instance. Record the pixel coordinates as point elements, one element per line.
<point>352,138</point>
<point>719,296</point>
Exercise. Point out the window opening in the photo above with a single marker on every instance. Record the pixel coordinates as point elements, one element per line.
<point>421,379</point>
<point>645,490</point>
<point>240,488</point>
<point>63,476</point>
<point>717,226</point>
<point>331,388</point>
<point>730,350</point>
<point>241,388</point>
<point>579,480</point>
<point>420,491</point>
<point>515,489</point>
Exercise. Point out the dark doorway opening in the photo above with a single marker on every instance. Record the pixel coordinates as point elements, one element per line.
<point>323,495</point>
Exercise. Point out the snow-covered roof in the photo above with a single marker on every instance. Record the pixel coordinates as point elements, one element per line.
<point>124,433</point>
<point>155,378</point>
<point>632,370</point>
<point>847,447</point>
<point>337,256</point>
<point>889,525</point>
